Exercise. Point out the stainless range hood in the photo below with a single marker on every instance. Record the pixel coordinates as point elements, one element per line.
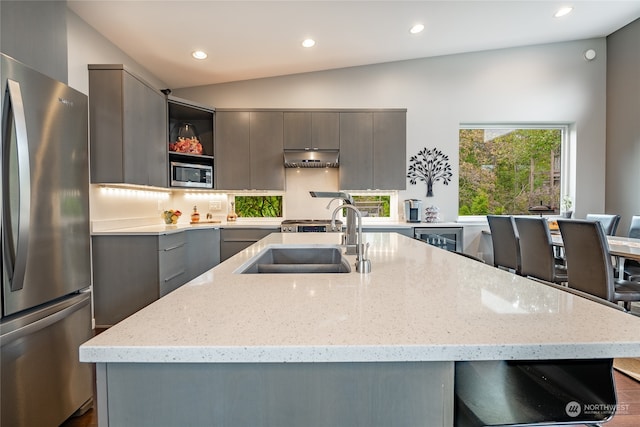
<point>311,158</point>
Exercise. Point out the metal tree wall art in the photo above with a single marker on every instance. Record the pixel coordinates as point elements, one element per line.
<point>429,166</point>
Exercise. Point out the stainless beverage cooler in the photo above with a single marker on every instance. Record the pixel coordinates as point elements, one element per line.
<point>449,238</point>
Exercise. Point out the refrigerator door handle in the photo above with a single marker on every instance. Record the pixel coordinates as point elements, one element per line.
<point>16,249</point>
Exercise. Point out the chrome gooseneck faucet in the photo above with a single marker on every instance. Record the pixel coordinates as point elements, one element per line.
<point>350,235</point>
<point>363,265</point>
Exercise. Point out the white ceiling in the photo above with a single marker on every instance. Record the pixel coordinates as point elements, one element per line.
<point>253,39</point>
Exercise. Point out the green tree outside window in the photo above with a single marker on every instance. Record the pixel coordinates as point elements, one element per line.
<point>506,171</point>
<point>258,206</point>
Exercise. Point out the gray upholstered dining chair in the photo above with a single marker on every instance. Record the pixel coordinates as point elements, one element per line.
<point>504,237</point>
<point>537,257</point>
<point>632,267</point>
<point>589,266</point>
<point>609,222</point>
<point>634,227</point>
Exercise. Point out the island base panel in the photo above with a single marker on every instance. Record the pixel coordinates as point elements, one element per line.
<point>276,395</point>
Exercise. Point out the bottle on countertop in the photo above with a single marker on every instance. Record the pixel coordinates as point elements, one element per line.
<point>195,216</point>
<point>232,216</point>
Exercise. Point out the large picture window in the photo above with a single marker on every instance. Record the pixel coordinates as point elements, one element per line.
<point>510,170</point>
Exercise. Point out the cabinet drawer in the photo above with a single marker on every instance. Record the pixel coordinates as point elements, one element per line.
<point>233,241</point>
<point>172,268</point>
<point>172,282</point>
<point>168,242</point>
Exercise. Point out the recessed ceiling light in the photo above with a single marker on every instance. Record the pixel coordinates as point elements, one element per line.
<point>416,29</point>
<point>308,43</point>
<point>198,54</point>
<point>563,11</point>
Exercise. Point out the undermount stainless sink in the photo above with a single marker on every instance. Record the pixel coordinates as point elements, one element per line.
<point>300,260</point>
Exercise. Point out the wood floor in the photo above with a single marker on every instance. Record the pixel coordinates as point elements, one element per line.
<point>628,413</point>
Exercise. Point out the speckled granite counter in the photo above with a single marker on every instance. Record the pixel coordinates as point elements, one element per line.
<point>160,228</point>
<point>379,349</point>
<point>419,303</point>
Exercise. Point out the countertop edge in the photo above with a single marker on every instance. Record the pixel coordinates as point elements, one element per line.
<point>354,354</point>
<point>160,229</point>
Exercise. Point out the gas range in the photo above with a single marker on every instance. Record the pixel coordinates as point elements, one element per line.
<point>309,226</point>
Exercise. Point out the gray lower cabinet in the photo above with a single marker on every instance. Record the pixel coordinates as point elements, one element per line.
<point>373,150</point>
<point>172,262</point>
<point>234,240</point>
<point>132,271</point>
<point>249,150</point>
<point>406,231</point>
<point>399,394</point>
<point>128,128</point>
<point>203,251</point>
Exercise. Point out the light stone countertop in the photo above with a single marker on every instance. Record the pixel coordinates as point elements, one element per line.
<point>419,303</point>
<point>160,228</point>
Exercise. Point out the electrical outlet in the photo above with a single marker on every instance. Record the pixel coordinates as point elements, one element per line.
<point>160,209</point>
<point>215,205</point>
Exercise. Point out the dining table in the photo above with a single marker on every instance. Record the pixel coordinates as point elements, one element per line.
<point>622,248</point>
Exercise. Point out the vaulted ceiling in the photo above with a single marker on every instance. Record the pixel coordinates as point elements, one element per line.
<point>254,39</point>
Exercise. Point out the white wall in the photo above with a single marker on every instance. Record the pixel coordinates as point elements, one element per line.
<point>87,46</point>
<point>546,83</point>
<point>623,124</point>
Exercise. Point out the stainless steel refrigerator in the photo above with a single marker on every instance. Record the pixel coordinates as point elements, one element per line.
<point>46,309</point>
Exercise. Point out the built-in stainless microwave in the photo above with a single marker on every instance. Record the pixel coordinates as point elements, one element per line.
<point>191,175</point>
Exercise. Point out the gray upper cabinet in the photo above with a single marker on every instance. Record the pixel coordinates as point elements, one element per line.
<point>389,150</point>
<point>232,150</point>
<point>249,147</point>
<point>267,164</point>
<point>356,158</point>
<point>311,130</point>
<point>128,125</point>
<point>373,150</point>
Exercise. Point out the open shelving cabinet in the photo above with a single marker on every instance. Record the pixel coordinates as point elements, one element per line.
<point>180,111</point>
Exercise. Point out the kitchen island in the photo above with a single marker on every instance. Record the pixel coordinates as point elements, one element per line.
<point>340,348</point>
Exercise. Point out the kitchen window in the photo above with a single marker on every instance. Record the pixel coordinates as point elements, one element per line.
<point>378,206</point>
<point>511,169</point>
<point>268,206</point>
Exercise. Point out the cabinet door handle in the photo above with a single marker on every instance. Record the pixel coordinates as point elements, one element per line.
<point>170,278</point>
<point>173,247</point>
